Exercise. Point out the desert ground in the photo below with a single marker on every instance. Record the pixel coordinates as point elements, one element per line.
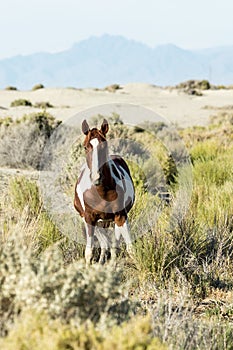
<point>173,104</point>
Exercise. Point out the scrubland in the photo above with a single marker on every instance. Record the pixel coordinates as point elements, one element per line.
<point>175,292</point>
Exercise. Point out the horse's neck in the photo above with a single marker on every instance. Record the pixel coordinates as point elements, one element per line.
<point>107,174</point>
<point>109,179</point>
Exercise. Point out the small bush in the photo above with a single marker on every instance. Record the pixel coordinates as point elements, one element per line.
<point>21,102</point>
<point>72,293</point>
<point>37,87</point>
<point>43,105</point>
<point>11,88</point>
<point>204,85</point>
<point>194,84</point>
<point>194,87</point>
<point>112,88</point>
<point>53,335</point>
<point>5,122</point>
<point>22,141</point>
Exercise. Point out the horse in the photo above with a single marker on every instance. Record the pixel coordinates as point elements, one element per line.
<point>104,193</point>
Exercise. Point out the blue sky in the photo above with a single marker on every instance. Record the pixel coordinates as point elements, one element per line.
<point>28,26</point>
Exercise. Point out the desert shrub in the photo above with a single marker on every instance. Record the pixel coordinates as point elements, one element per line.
<point>4,122</point>
<point>21,102</point>
<point>72,293</point>
<point>223,118</point>
<point>112,88</point>
<point>194,92</point>
<point>194,87</point>
<point>174,326</point>
<point>194,84</point>
<point>43,105</point>
<point>221,87</point>
<point>23,140</point>
<point>48,334</point>
<point>37,87</point>
<point>11,88</point>
<point>175,323</point>
<point>198,246</point>
<point>204,85</point>
<point>151,256</point>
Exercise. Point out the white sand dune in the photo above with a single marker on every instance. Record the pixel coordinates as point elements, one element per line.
<point>176,106</point>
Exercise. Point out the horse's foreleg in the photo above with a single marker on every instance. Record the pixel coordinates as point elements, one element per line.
<point>101,234</point>
<point>89,250</point>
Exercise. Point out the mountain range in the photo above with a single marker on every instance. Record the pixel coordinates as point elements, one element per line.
<point>101,61</point>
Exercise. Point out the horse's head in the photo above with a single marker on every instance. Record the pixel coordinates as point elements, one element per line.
<point>96,149</point>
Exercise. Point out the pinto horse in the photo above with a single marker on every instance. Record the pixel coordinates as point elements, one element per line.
<point>104,192</point>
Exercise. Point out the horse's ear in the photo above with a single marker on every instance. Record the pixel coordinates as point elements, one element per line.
<point>85,127</point>
<point>104,127</point>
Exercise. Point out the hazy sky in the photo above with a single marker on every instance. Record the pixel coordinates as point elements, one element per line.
<point>28,26</point>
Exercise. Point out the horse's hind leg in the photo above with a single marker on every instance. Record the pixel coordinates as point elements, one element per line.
<point>125,232</point>
<point>115,242</point>
<point>101,234</point>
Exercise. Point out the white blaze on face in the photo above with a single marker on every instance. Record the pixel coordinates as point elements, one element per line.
<point>95,161</point>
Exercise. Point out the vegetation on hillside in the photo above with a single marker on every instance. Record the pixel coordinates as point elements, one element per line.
<point>21,102</point>
<point>37,87</point>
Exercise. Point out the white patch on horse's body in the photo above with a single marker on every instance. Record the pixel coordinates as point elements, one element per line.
<point>84,184</point>
<point>123,180</point>
<point>128,186</point>
<point>95,161</point>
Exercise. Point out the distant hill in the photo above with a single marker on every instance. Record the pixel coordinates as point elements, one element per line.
<point>100,61</point>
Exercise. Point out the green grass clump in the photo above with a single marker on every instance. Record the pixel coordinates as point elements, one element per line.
<point>21,102</point>
<point>24,192</point>
<point>25,200</point>
<point>206,150</point>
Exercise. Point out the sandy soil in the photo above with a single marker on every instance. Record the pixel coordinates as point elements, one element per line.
<point>176,106</point>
